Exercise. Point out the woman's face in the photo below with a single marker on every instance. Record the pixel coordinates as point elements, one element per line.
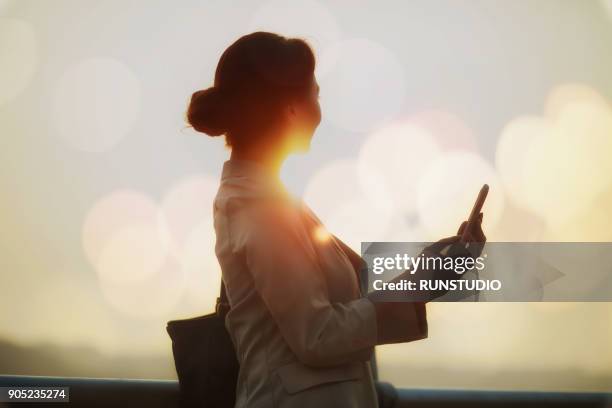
<point>304,117</point>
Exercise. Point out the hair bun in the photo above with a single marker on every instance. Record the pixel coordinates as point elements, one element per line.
<point>208,112</point>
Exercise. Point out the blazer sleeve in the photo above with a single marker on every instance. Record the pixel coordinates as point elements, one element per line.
<point>397,322</point>
<point>290,282</point>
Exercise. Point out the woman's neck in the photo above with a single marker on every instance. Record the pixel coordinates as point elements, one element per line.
<point>272,161</point>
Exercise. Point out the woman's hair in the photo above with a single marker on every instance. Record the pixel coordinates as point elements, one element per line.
<point>255,77</point>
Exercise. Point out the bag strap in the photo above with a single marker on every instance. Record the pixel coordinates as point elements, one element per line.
<point>222,306</point>
<point>223,294</point>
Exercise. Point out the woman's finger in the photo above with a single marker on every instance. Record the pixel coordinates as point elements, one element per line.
<point>443,243</point>
<point>478,233</point>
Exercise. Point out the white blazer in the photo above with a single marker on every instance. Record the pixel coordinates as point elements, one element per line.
<point>303,333</point>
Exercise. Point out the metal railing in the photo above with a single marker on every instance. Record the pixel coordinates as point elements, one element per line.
<point>118,392</point>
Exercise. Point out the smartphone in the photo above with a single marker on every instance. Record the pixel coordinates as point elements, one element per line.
<point>482,196</point>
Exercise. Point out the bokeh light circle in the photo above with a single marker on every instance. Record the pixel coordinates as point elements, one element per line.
<point>592,224</point>
<point>133,254</point>
<point>331,186</point>
<point>152,299</point>
<point>562,157</point>
<point>200,266</point>
<point>402,230</point>
<point>571,165</point>
<point>512,146</point>
<point>448,190</point>
<point>358,221</point>
<point>391,162</point>
<point>517,225</point>
<point>111,213</point>
<point>187,204</point>
<point>564,94</point>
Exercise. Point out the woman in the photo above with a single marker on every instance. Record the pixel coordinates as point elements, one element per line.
<point>303,333</point>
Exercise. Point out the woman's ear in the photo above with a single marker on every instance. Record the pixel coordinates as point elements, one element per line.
<point>290,112</point>
<point>292,109</point>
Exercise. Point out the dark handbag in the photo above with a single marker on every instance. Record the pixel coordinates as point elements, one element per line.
<point>205,358</point>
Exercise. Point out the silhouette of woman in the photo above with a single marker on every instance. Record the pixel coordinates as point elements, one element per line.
<point>303,333</point>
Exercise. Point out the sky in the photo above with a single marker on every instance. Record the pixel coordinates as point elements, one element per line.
<point>106,193</point>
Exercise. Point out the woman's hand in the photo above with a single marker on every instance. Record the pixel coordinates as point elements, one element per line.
<point>454,247</point>
<point>475,234</point>
<point>475,237</point>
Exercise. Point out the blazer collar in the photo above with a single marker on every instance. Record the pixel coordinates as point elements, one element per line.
<point>252,178</point>
<point>245,168</point>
